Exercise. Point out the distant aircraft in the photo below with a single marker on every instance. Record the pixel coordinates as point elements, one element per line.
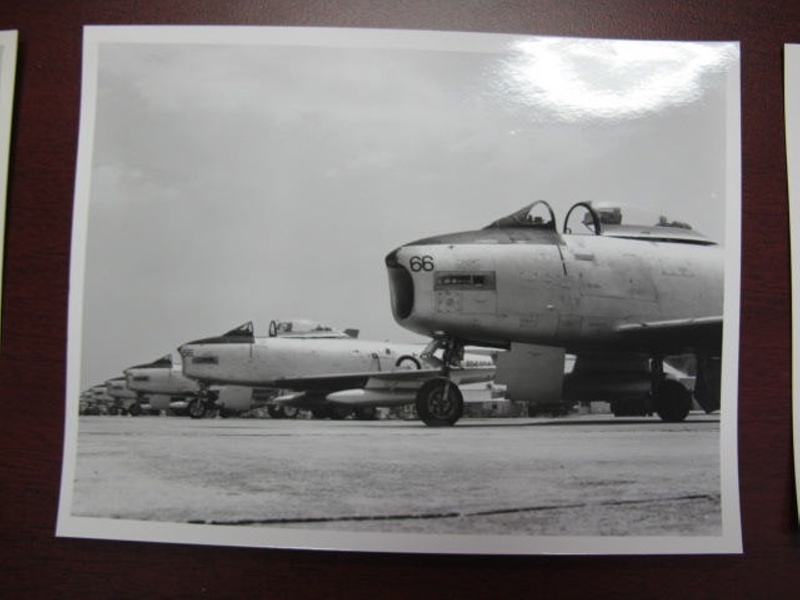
<point>167,387</point>
<point>96,401</point>
<point>327,371</point>
<point>621,297</point>
<point>126,400</point>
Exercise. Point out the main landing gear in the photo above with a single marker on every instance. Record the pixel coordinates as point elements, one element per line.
<point>439,402</point>
<point>671,398</point>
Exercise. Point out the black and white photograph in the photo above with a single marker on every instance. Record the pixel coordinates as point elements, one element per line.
<point>8,69</point>
<point>404,291</point>
<point>792,103</point>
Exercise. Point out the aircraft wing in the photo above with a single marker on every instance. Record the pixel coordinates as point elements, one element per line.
<point>404,377</point>
<point>419,376</point>
<point>675,336</point>
<point>378,388</point>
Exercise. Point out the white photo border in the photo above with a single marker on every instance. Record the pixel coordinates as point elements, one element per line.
<point>68,525</point>
<point>8,70</point>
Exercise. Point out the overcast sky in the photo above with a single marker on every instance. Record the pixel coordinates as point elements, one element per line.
<point>249,180</point>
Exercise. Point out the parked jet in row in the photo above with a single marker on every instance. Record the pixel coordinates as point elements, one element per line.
<point>96,400</point>
<point>168,388</point>
<point>126,400</point>
<point>326,371</point>
<point>621,297</point>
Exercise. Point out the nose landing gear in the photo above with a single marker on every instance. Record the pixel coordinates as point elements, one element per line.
<point>439,402</point>
<point>203,403</point>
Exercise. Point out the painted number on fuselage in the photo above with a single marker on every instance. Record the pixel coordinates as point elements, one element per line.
<point>421,263</point>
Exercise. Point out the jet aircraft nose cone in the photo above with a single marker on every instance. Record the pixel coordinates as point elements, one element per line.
<point>401,286</point>
<point>391,258</point>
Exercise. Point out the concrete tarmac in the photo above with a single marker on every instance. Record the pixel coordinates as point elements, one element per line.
<point>590,475</point>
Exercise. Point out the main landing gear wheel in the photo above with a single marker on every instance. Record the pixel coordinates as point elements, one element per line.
<point>198,408</point>
<point>673,401</point>
<point>135,409</point>
<point>439,403</point>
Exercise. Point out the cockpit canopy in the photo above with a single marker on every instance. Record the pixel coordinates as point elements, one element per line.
<point>537,215</point>
<point>245,330</point>
<point>165,362</point>
<point>587,218</point>
<point>631,222</point>
<point>306,328</point>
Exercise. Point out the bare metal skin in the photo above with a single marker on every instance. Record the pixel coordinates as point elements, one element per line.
<point>329,372</point>
<point>597,288</point>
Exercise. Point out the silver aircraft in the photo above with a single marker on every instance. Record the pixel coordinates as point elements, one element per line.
<point>168,388</point>
<point>622,297</point>
<point>126,401</point>
<point>326,371</point>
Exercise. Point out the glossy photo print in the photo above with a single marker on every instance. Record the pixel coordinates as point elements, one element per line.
<point>792,104</point>
<point>404,291</point>
<point>8,69</point>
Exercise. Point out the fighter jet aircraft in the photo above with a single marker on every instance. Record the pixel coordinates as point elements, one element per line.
<point>621,297</point>
<point>168,388</point>
<point>127,402</point>
<point>96,401</point>
<point>163,383</point>
<point>327,371</point>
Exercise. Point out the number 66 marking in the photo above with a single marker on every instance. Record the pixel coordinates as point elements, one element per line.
<point>421,263</point>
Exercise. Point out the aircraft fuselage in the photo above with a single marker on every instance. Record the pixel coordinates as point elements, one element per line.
<point>160,380</point>
<point>541,287</point>
<point>621,296</point>
<point>270,361</point>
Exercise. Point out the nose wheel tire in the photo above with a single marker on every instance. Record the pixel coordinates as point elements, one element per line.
<point>197,408</point>
<point>439,403</point>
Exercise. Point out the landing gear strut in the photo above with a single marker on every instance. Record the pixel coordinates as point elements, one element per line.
<point>439,402</point>
<point>202,404</point>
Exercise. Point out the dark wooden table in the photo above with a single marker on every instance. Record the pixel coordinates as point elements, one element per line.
<point>32,365</point>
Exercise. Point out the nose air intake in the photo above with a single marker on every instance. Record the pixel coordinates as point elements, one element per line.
<point>401,286</point>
